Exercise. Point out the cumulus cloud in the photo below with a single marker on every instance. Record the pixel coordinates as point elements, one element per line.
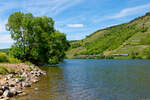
<point>75,25</point>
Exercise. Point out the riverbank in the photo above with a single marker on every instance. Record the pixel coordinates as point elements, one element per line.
<point>15,78</point>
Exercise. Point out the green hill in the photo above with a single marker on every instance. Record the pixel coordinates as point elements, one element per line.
<point>4,50</point>
<point>131,38</point>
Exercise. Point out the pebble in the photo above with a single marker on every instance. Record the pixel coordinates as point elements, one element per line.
<point>14,85</point>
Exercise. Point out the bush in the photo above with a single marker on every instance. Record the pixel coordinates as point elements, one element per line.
<point>146,53</point>
<point>76,45</point>
<point>146,41</point>
<point>3,57</point>
<point>6,59</point>
<point>28,63</point>
<point>13,60</point>
<point>109,57</point>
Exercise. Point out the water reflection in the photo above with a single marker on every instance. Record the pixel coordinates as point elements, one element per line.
<point>94,80</point>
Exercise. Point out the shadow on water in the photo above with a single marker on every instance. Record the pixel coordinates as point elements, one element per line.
<point>88,79</point>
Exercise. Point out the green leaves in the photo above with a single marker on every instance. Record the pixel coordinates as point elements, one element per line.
<point>36,39</point>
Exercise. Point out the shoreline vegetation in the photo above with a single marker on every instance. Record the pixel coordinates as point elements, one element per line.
<point>36,42</point>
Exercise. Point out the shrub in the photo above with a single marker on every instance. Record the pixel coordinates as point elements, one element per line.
<point>109,57</point>
<point>28,63</point>
<point>146,41</point>
<point>75,45</point>
<point>13,60</point>
<point>146,53</point>
<point>3,57</point>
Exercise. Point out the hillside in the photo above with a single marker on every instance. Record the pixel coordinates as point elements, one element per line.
<point>131,38</point>
<point>4,50</point>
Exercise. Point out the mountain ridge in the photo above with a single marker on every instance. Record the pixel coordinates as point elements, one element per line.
<point>131,38</point>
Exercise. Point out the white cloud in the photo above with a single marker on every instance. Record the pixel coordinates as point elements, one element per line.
<point>124,13</point>
<point>2,26</point>
<point>75,25</point>
<point>38,7</point>
<point>47,7</point>
<point>131,11</point>
<point>5,39</point>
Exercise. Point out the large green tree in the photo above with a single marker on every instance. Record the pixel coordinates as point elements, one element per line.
<point>35,38</point>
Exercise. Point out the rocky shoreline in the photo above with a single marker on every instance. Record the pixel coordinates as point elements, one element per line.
<point>16,82</point>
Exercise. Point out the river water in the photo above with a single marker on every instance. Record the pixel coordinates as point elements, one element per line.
<point>93,79</point>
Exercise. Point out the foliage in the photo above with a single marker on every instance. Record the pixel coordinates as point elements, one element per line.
<point>75,45</point>
<point>146,53</point>
<point>28,63</point>
<point>111,40</point>
<point>13,60</point>
<point>146,41</point>
<point>3,57</point>
<point>109,57</point>
<point>35,38</point>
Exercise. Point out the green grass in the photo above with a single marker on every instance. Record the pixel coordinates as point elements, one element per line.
<point>3,69</point>
<point>21,78</point>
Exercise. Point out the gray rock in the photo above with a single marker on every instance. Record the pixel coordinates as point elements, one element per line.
<point>14,91</point>
<point>4,88</point>
<point>4,98</point>
<point>19,92</point>
<point>26,84</point>
<point>6,79</point>
<point>36,89</point>
<point>32,72</point>
<point>12,83</point>
<point>34,80</point>
<point>27,79</point>
<point>24,75</point>
<point>1,92</point>
<point>7,93</point>
<point>10,76</point>
<point>17,80</point>
<point>22,94</point>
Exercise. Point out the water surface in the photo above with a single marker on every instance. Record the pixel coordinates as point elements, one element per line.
<point>91,79</point>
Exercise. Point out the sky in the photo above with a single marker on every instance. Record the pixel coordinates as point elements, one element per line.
<point>75,18</point>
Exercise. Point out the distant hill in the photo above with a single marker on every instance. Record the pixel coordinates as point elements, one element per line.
<point>131,38</point>
<point>4,50</point>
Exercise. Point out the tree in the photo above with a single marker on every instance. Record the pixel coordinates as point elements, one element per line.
<point>35,38</point>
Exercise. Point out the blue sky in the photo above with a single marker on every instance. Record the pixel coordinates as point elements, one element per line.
<point>76,18</point>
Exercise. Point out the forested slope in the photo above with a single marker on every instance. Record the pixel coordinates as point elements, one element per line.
<point>131,38</point>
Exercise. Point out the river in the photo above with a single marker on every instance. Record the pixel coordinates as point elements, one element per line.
<point>93,79</point>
